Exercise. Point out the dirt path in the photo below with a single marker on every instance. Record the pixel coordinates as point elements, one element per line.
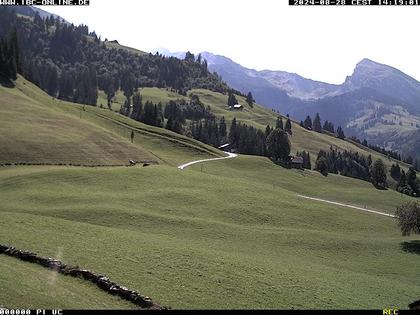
<point>233,155</point>
<point>230,156</point>
<point>348,206</point>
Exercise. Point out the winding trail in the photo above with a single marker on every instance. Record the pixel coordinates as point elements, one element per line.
<point>348,206</point>
<point>230,156</point>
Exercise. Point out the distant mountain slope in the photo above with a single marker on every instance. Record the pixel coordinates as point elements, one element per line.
<point>377,102</point>
<point>297,86</point>
<point>389,81</point>
<point>245,80</point>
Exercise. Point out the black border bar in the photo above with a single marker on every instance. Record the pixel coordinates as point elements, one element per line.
<point>338,3</point>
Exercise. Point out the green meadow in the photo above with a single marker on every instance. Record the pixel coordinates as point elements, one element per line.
<point>222,234</point>
<point>190,239</point>
<point>26,284</point>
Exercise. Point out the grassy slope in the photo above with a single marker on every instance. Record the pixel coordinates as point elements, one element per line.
<point>302,139</point>
<point>309,183</point>
<point>195,240</point>
<point>58,135</point>
<point>111,45</point>
<point>33,132</point>
<point>39,287</point>
<point>259,117</point>
<point>235,235</point>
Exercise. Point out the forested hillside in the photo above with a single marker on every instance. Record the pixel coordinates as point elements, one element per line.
<point>72,63</point>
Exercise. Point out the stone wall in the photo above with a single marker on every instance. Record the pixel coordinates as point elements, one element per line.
<point>101,281</point>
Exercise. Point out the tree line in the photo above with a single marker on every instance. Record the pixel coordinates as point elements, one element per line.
<point>328,127</point>
<point>353,164</point>
<point>10,59</point>
<point>317,126</point>
<point>408,183</point>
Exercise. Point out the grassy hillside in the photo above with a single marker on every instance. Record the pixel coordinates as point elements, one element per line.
<point>40,287</point>
<point>31,132</point>
<point>302,139</point>
<point>259,117</point>
<point>62,132</point>
<point>196,240</point>
<point>116,45</point>
<point>310,183</point>
<point>225,234</point>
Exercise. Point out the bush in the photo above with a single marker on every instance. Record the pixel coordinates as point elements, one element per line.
<point>408,217</point>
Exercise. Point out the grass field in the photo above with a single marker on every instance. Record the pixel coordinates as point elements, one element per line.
<point>196,240</point>
<point>224,234</point>
<point>26,284</point>
<point>62,132</point>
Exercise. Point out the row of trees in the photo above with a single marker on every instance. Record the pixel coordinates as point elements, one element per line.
<point>10,60</point>
<point>247,139</point>
<point>149,113</point>
<point>317,126</point>
<point>242,138</point>
<point>389,153</point>
<point>408,183</point>
<point>286,127</point>
<point>352,164</point>
<point>328,126</point>
<point>210,130</point>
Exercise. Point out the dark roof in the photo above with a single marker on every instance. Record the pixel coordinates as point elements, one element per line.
<point>297,160</point>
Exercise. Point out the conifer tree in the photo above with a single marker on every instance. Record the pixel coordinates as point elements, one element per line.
<point>340,133</point>
<point>137,107</point>
<point>279,123</point>
<point>250,100</point>
<point>317,123</point>
<point>308,122</point>
<point>232,100</point>
<point>288,126</point>
<point>412,181</point>
<point>378,174</point>
<point>278,145</point>
<point>222,129</point>
<point>233,135</point>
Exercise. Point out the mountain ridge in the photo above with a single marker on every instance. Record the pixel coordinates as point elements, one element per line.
<point>376,102</point>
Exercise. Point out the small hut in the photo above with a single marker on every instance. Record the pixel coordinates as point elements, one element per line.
<point>296,162</point>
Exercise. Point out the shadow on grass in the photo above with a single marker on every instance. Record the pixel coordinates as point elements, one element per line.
<point>412,247</point>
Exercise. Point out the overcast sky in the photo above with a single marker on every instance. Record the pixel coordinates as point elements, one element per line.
<point>321,43</point>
